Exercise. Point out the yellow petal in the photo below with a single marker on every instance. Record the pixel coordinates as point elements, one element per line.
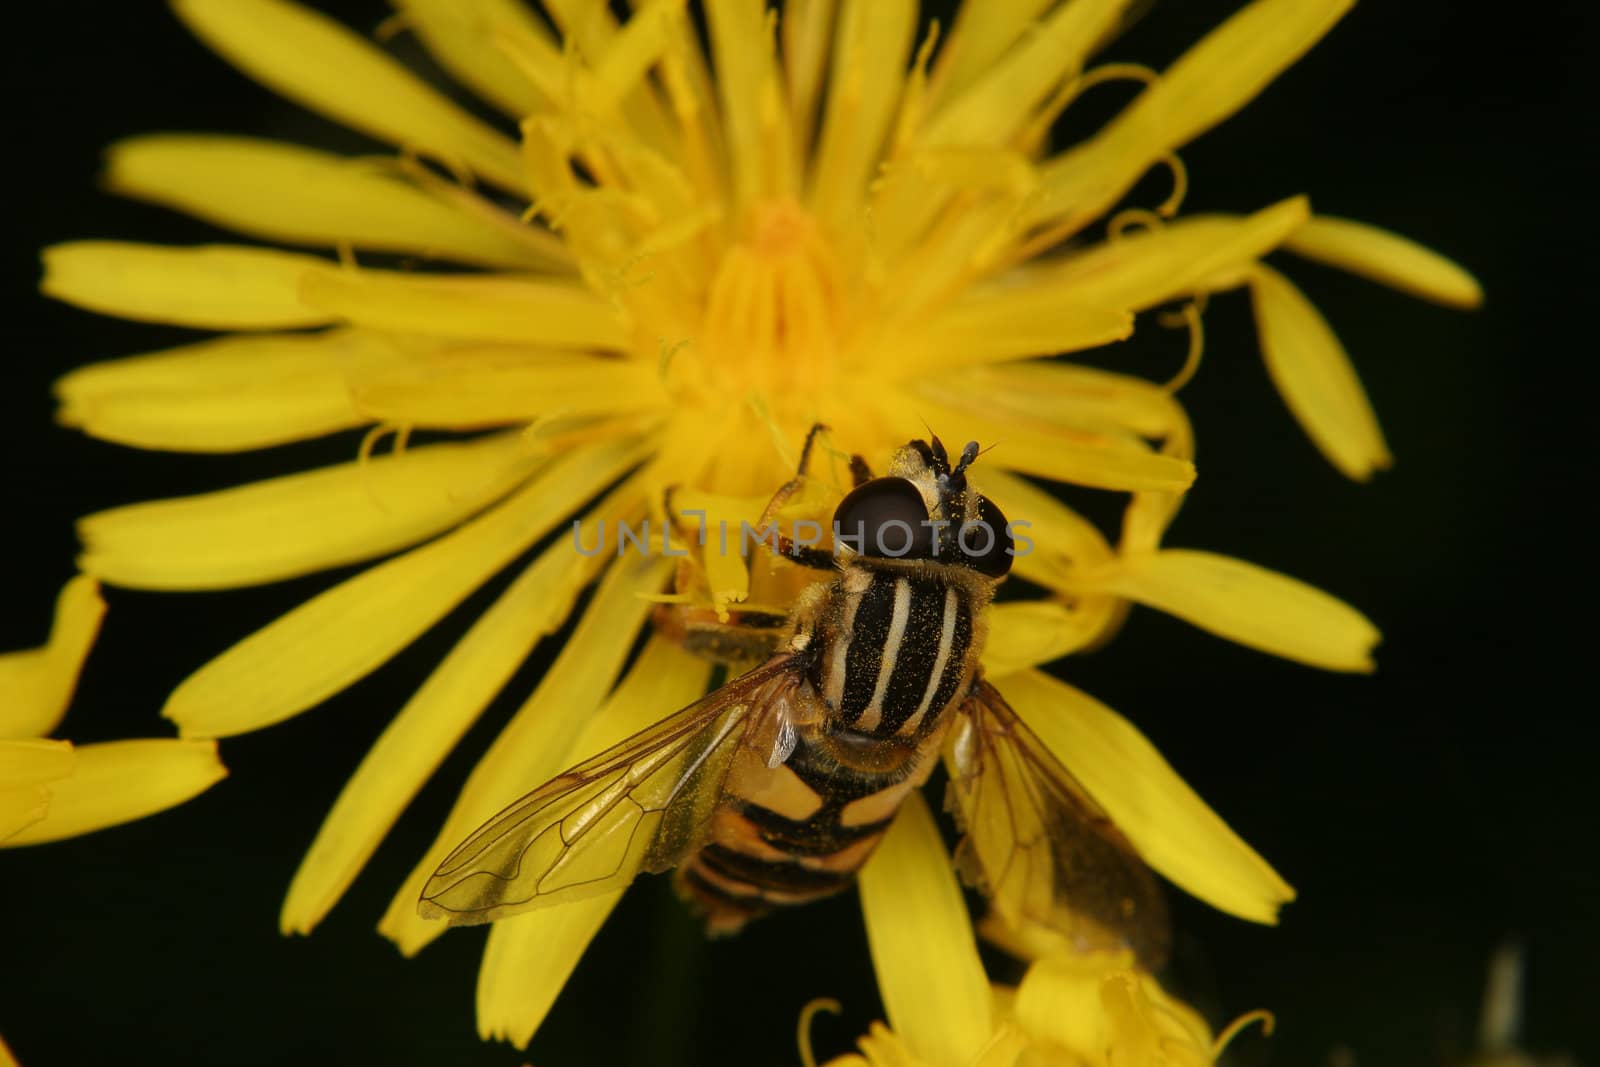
<point>20,806</point>
<point>119,781</point>
<point>1062,393</point>
<point>433,721</point>
<point>716,525</point>
<point>1248,604</point>
<point>461,35</point>
<point>807,27</point>
<point>320,64</point>
<point>1031,633</point>
<point>464,394</point>
<point>283,192</point>
<point>1054,529</point>
<point>34,761</point>
<point>742,49</point>
<point>230,394</point>
<point>300,523</point>
<point>1144,269</point>
<point>530,957</point>
<point>479,307</point>
<point>1388,258</point>
<point>981,35</point>
<point>1211,81</point>
<point>213,287</point>
<point>533,746</point>
<point>1315,378</point>
<point>527,961</point>
<point>1063,454</point>
<point>1172,828</point>
<point>1007,324</point>
<point>932,983</point>
<point>340,636</point>
<point>36,686</point>
<point>1000,100</point>
<point>6,1058</point>
<point>869,59</point>
<point>1059,1000</point>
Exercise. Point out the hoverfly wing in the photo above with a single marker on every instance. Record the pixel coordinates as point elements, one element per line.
<point>1038,845</point>
<point>643,804</point>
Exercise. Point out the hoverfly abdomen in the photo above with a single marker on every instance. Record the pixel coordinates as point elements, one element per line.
<point>793,836</point>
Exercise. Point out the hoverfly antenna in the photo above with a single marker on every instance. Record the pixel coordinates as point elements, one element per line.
<point>968,455</point>
<point>939,453</point>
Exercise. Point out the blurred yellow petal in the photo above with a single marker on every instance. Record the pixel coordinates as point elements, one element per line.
<point>1211,81</point>
<point>1171,827</point>
<point>20,806</point>
<point>433,721</point>
<point>721,520</point>
<point>1063,454</point>
<point>1247,604</point>
<point>213,287</point>
<point>1387,258</point>
<point>1008,323</point>
<point>230,394</point>
<point>283,192</point>
<point>1062,393</point>
<point>473,394</point>
<point>933,986</point>
<point>869,58</point>
<point>29,761</point>
<point>1044,527</point>
<point>300,523</point>
<point>1103,1011</point>
<point>741,49</point>
<point>558,314</point>
<point>462,36</point>
<point>981,35</point>
<point>1000,100</point>
<point>1141,270</point>
<point>28,767</point>
<point>36,685</point>
<point>807,28</point>
<point>320,64</point>
<point>119,781</point>
<point>1315,377</point>
<point>534,745</point>
<point>1031,633</point>
<point>340,636</point>
<point>530,957</point>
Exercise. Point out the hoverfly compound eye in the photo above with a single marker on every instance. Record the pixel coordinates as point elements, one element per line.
<point>985,543</point>
<point>885,518</point>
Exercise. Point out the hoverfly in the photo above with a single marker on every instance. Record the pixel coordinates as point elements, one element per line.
<point>774,789</point>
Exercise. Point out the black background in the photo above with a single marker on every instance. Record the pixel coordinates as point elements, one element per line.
<point>1423,813</point>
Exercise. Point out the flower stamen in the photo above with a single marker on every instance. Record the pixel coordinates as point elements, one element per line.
<point>1267,1020</point>
<point>803,1031</point>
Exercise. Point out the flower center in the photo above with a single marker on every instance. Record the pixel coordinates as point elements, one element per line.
<point>774,313</point>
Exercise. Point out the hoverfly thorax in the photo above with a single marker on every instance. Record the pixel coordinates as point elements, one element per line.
<point>920,551</point>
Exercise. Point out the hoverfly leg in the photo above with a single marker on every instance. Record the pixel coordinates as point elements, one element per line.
<point>860,473</point>
<point>805,449</point>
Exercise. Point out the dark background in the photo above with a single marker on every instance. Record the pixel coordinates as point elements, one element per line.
<point>1423,813</point>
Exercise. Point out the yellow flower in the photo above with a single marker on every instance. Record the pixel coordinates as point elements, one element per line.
<point>1070,1010</point>
<point>53,789</point>
<point>672,275</point>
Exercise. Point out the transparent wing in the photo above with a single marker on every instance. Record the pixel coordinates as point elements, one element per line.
<point>1038,845</point>
<point>640,805</point>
